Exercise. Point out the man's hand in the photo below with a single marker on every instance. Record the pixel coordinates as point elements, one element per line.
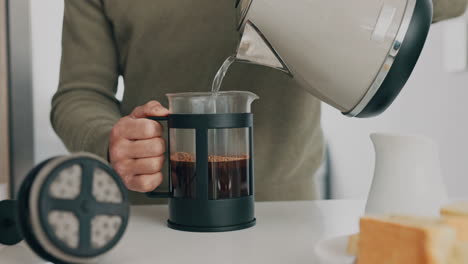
<point>136,148</point>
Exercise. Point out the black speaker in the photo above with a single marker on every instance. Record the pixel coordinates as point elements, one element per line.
<point>70,209</point>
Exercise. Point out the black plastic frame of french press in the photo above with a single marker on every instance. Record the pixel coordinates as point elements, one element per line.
<point>202,214</point>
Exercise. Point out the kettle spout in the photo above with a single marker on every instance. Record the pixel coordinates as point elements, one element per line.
<point>254,48</point>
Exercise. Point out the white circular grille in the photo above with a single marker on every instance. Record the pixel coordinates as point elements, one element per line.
<point>103,229</point>
<point>105,189</point>
<point>67,184</point>
<point>65,226</point>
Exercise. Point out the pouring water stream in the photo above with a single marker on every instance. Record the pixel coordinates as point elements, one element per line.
<point>218,80</point>
<point>216,86</point>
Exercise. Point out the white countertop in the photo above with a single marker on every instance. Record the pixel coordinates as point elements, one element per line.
<point>286,232</point>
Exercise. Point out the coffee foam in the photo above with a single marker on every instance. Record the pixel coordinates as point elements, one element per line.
<point>189,157</point>
<point>182,157</point>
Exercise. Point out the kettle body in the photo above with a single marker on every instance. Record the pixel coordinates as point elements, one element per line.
<point>354,55</point>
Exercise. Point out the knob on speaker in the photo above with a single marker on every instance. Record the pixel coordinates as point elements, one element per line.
<point>8,223</point>
<point>70,209</point>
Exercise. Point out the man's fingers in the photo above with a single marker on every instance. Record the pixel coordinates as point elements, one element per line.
<point>144,183</point>
<point>152,108</point>
<point>147,148</point>
<point>124,149</point>
<point>142,128</point>
<point>140,166</point>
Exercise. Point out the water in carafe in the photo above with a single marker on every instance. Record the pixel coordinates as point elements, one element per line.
<point>227,173</point>
<point>229,149</point>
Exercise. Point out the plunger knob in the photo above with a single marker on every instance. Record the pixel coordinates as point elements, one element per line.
<point>9,231</point>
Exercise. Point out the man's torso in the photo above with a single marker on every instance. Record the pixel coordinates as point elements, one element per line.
<point>177,46</point>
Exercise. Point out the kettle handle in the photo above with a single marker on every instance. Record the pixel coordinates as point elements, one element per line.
<point>169,194</point>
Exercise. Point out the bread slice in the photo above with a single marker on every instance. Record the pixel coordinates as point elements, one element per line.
<point>460,224</point>
<point>456,216</point>
<point>405,240</point>
<point>459,253</point>
<point>353,245</point>
<point>456,209</point>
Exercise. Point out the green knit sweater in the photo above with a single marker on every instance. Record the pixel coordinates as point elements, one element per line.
<point>176,46</point>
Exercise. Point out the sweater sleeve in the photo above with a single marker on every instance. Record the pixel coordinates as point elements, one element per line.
<point>84,108</point>
<point>445,9</point>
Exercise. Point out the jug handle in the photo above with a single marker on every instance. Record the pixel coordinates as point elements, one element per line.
<point>169,194</point>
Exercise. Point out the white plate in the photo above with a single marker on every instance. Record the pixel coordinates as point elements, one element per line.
<point>333,251</point>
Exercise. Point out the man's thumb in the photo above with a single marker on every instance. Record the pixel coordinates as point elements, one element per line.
<point>152,108</point>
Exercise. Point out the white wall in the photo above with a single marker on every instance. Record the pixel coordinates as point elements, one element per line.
<point>46,27</point>
<point>46,30</point>
<point>433,103</point>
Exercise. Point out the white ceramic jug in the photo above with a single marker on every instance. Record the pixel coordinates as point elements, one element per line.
<point>407,177</point>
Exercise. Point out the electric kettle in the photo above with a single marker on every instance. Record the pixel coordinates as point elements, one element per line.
<point>354,55</point>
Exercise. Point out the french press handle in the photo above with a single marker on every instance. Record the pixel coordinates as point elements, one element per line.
<point>169,194</point>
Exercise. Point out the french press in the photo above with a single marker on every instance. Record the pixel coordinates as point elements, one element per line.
<point>211,179</point>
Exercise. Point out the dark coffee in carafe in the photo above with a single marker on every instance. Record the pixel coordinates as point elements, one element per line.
<point>227,176</point>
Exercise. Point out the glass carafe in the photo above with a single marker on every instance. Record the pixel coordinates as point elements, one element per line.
<point>228,148</point>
